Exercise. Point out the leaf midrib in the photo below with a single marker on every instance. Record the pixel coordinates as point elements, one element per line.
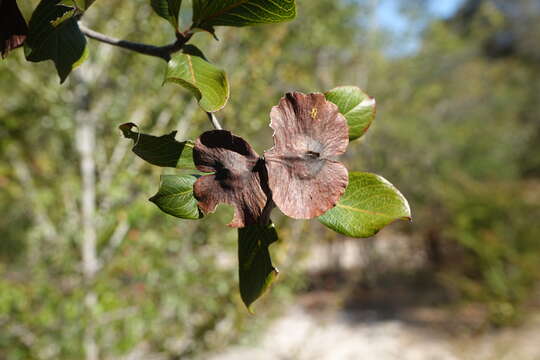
<point>190,65</point>
<point>362,210</point>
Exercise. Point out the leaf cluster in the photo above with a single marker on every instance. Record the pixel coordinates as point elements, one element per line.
<point>369,203</point>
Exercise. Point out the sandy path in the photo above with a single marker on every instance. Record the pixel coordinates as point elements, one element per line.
<point>300,336</point>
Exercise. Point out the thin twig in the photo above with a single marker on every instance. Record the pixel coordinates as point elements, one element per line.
<point>114,242</point>
<point>215,122</point>
<point>163,52</point>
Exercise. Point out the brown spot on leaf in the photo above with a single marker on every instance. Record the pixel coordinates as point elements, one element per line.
<point>304,176</point>
<point>239,178</point>
<point>13,28</point>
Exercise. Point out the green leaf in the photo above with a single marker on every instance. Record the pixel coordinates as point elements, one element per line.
<point>210,13</point>
<point>54,35</point>
<point>357,107</point>
<point>161,150</point>
<point>175,196</point>
<point>370,203</point>
<point>256,272</point>
<point>168,9</point>
<point>205,81</point>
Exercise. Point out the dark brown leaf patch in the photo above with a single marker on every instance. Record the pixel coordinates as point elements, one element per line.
<point>239,178</point>
<point>304,175</point>
<point>13,28</point>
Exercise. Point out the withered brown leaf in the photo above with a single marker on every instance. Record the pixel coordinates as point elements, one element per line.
<point>13,28</point>
<point>239,178</point>
<point>304,176</point>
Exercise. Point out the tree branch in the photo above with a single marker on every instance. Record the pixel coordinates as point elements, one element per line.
<point>163,52</point>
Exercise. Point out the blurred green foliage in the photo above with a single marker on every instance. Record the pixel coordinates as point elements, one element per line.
<point>456,131</point>
<point>466,123</point>
<point>492,222</point>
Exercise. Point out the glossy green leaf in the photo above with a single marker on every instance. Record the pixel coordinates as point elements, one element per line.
<point>205,81</point>
<point>54,35</point>
<point>357,107</point>
<point>168,9</point>
<point>256,272</point>
<point>161,150</point>
<point>175,196</point>
<point>370,203</point>
<point>210,13</point>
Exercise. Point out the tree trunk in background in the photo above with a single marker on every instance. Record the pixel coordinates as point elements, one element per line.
<point>86,144</point>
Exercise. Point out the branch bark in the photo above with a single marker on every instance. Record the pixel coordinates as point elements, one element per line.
<point>163,52</point>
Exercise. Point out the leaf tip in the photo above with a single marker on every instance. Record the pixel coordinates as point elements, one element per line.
<point>126,129</point>
<point>272,276</point>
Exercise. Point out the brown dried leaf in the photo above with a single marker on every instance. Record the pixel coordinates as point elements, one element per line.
<point>13,28</point>
<point>304,176</point>
<point>239,178</point>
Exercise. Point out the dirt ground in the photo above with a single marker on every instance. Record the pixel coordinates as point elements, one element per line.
<point>349,315</point>
<point>343,335</point>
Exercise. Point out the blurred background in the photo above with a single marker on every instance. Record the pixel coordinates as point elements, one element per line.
<point>457,84</point>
